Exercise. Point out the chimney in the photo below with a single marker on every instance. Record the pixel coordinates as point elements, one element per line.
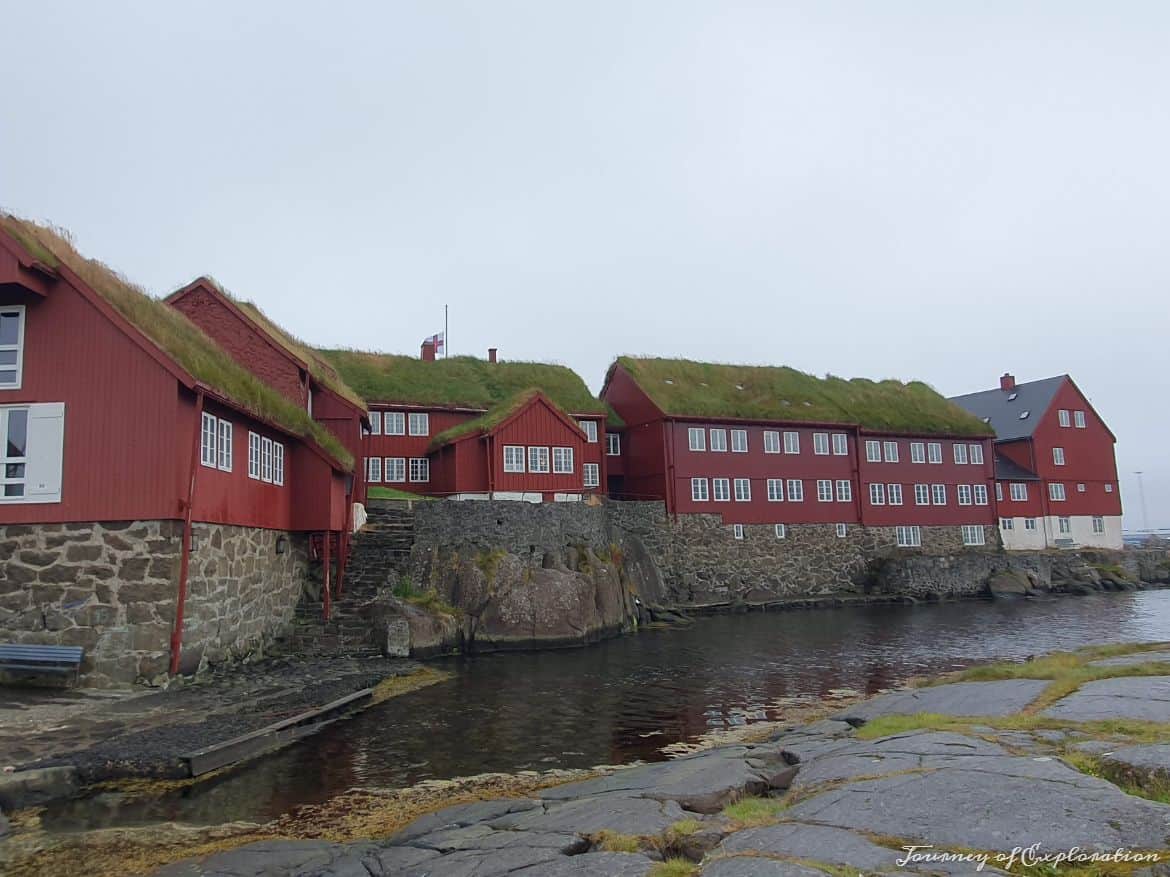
<point>428,351</point>
<point>491,354</point>
<point>1008,382</point>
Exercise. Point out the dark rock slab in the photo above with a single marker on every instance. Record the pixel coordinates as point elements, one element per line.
<point>462,815</point>
<point>820,843</point>
<point>593,864</point>
<point>483,837</point>
<point>275,857</point>
<point>997,804</point>
<point>628,815</point>
<point>1001,698</point>
<point>755,866</point>
<point>30,788</point>
<point>480,863</point>
<point>1145,698</point>
<point>1150,759</point>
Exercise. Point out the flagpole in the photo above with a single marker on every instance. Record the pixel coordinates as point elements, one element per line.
<point>446,336</point>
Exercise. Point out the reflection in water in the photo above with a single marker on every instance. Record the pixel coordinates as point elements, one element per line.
<point>625,699</point>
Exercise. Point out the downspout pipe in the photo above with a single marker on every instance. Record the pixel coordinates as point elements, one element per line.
<point>185,551</point>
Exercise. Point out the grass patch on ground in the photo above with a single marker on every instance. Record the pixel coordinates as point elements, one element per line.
<point>674,868</point>
<point>430,601</point>
<point>395,493</point>
<point>616,842</point>
<point>754,811</point>
<point>1123,730</point>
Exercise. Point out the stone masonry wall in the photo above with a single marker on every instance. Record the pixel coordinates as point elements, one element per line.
<point>110,587</point>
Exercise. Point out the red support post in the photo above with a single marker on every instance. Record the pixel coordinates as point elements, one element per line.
<point>325,564</point>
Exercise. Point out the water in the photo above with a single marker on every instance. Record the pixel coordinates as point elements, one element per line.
<point>627,698</point>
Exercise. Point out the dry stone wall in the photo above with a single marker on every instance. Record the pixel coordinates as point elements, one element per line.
<point>110,587</point>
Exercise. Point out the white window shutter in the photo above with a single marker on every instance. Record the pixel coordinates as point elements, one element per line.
<point>46,452</point>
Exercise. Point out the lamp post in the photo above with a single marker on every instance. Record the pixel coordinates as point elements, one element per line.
<point>1145,511</point>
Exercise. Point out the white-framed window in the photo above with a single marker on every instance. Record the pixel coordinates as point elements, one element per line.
<point>842,531</point>
<point>591,474</point>
<point>32,444</point>
<point>973,534</point>
<point>266,460</point>
<point>792,442</point>
<point>1098,524</point>
<point>394,468</point>
<point>718,440</point>
<point>977,454</point>
<point>699,490</point>
<point>980,491</point>
<point>1109,488</point>
<point>373,470</point>
<point>877,494</point>
<point>419,423</point>
<point>375,423</point>
<point>795,490</point>
<point>821,444</point>
<point>998,491</point>
<point>537,460</point>
<point>873,451</point>
<point>1079,419</point>
<point>697,438</point>
<point>775,490</point>
<point>934,452</point>
<point>909,537</point>
<point>420,468</point>
<point>844,490</point>
<point>737,531</point>
<point>781,531</point>
<point>1058,456</point>
<point>1064,524</point>
<point>1007,523</point>
<point>207,435</point>
<point>1029,523</point>
<point>960,454</point>
<point>11,347</point>
<point>721,489</point>
<point>840,444</point>
<point>964,493</point>
<point>938,494</point>
<point>589,427</point>
<point>1056,492</point>
<point>254,455</point>
<point>562,461</point>
<point>921,494</point>
<point>824,490</point>
<point>278,463</point>
<point>394,422</point>
<point>1063,416</point>
<point>743,490</point>
<point>739,444</point>
<point>223,459</point>
<point>14,454</point>
<point>894,493</point>
<point>1081,488</point>
<point>1018,491</point>
<point>771,441</point>
<point>917,452</point>
<point>514,458</point>
<point>613,444</point>
<point>891,449</point>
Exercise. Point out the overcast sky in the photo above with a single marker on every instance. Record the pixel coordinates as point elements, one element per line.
<point>940,191</point>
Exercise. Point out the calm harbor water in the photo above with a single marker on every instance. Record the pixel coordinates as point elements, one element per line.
<point>627,698</point>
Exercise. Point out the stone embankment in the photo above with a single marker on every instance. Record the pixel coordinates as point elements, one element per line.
<point>956,778</point>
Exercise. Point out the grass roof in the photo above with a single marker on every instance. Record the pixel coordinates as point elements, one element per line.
<point>489,421</point>
<point>704,389</point>
<point>461,381</point>
<point>174,334</point>
<point>324,373</point>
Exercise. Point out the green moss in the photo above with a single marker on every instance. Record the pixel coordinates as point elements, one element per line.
<point>754,811</point>
<point>489,563</point>
<point>176,336</point>
<point>395,493</point>
<point>615,842</point>
<point>430,601</point>
<point>704,389</point>
<point>674,868</point>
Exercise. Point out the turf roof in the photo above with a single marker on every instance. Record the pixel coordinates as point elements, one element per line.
<point>461,381</point>
<point>489,421</point>
<point>703,389</point>
<point>174,334</point>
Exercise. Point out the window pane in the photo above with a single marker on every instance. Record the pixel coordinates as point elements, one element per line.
<point>14,470</point>
<point>14,490</point>
<point>17,432</point>
<point>10,331</point>
<point>7,357</point>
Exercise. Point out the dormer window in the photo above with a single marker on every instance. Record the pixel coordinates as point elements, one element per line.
<point>11,347</point>
<point>1024,414</point>
<point>1012,397</point>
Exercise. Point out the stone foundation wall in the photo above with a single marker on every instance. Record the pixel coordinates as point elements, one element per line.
<point>110,587</point>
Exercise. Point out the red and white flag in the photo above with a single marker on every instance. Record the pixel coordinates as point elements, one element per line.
<point>437,340</point>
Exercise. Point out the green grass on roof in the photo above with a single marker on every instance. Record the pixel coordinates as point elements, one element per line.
<point>487,422</point>
<point>702,389</point>
<point>460,381</point>
<point>174,334</point>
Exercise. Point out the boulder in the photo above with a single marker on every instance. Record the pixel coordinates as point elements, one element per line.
<point>1009,583</point>
<point>29,788</point>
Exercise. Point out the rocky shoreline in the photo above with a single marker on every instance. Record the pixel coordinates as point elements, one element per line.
<point>1060,753</point>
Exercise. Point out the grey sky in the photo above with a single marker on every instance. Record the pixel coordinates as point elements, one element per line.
<point>931,190</point>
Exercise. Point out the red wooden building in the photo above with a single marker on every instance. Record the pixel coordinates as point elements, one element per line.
<point>761,445</point>
<point>467,428</point>
<point>1056,473</point>
<point>116,408</point>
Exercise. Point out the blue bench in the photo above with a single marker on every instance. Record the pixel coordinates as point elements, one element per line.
<point>41,659</point>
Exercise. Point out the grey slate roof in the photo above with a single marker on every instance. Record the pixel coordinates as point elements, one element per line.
<point>1009,470</point>
<point>1003,414</point>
